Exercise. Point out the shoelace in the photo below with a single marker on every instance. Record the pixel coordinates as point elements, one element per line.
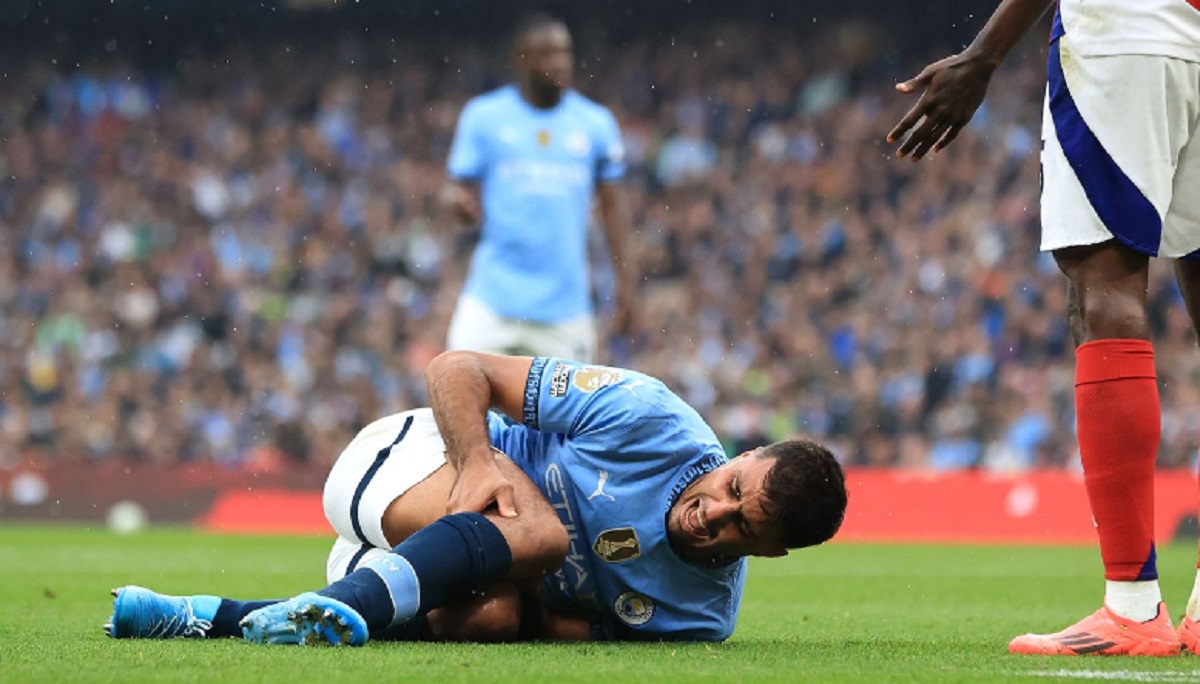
<point>179,624</point>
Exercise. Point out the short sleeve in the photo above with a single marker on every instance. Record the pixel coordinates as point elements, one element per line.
<point>607,407</point>
<point>610,155</point>
<point>468,150</point>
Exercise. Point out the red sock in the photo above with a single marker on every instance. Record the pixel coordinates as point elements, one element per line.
<point>1119,425</point>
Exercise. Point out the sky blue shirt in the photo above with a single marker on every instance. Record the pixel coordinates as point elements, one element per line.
<point>612,449</point>
<point>537,170</point>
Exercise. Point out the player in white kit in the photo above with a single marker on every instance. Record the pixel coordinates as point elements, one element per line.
<point>1121,184</point>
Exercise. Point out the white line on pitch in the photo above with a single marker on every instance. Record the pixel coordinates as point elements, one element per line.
<point>1121,675</point>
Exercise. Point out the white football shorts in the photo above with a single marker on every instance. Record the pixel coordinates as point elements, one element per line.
<point>1121,152</point>
<point>475,326</point>
<point>384,460</point>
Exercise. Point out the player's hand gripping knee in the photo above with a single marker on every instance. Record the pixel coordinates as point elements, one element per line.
<point>479,484</point>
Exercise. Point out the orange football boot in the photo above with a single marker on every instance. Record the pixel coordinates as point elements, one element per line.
<point>1106,633</point>
<point>1189,635</point>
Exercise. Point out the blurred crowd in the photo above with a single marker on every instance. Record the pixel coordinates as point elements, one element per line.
<point>242,261</point>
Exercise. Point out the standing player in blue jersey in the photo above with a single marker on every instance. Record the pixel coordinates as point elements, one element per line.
<point>595,504</point>
<point>527,161</point>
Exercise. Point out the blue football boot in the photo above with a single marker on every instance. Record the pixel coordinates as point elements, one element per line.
<point>307,620</point>
<point>139,613</point>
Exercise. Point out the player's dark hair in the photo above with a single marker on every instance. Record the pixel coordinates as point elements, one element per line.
<point>805,491</point>
<point>534,22</point>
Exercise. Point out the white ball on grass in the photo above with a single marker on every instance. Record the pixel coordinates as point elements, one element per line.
<point>127,517</point>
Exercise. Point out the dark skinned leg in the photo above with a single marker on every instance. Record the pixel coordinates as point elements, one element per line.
<point>1187,274</point>
<point>1117,414</point>
<point>1107,291</point>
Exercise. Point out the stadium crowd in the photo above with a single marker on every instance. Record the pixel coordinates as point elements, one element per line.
<point>242,259</point>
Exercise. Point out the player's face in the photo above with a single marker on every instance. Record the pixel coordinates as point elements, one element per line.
<point>544,57</point>
<point>721,515</point>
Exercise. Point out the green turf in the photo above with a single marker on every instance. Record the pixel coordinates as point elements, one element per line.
<point>842,613</point>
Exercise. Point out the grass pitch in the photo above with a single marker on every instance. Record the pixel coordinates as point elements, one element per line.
<point>841,613</point>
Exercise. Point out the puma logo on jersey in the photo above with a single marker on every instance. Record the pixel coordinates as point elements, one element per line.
<point>600,488</point>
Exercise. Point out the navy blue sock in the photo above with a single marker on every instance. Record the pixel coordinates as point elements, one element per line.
<point>454,555</point>
<point>366,592</point>
<point>230,613</point>
<point>416,629</point>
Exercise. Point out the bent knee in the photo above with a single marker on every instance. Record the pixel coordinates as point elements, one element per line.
<point>1107,291</point>
<point>1113,317</point>
<point>536,536</point>
<point>542,547</point>
<point>538,541</point>
<point>554,542</point>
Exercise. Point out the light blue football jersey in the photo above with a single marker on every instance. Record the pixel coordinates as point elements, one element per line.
<point>612,449</point>
<point>537,170</point>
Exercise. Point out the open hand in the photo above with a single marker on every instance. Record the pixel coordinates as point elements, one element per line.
<point>953,89</point>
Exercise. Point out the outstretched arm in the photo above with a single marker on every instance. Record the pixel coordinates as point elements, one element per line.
<point>462,386</point>
<point>954,87</point>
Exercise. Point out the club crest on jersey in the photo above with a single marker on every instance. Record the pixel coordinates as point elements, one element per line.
<point>559,380</point>
<point>618,545</point>
<point>592,378</point>
<point>543,138</point>
<point>634,608</point>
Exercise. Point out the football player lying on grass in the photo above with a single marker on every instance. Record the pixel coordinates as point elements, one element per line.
<point>595,504</point>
